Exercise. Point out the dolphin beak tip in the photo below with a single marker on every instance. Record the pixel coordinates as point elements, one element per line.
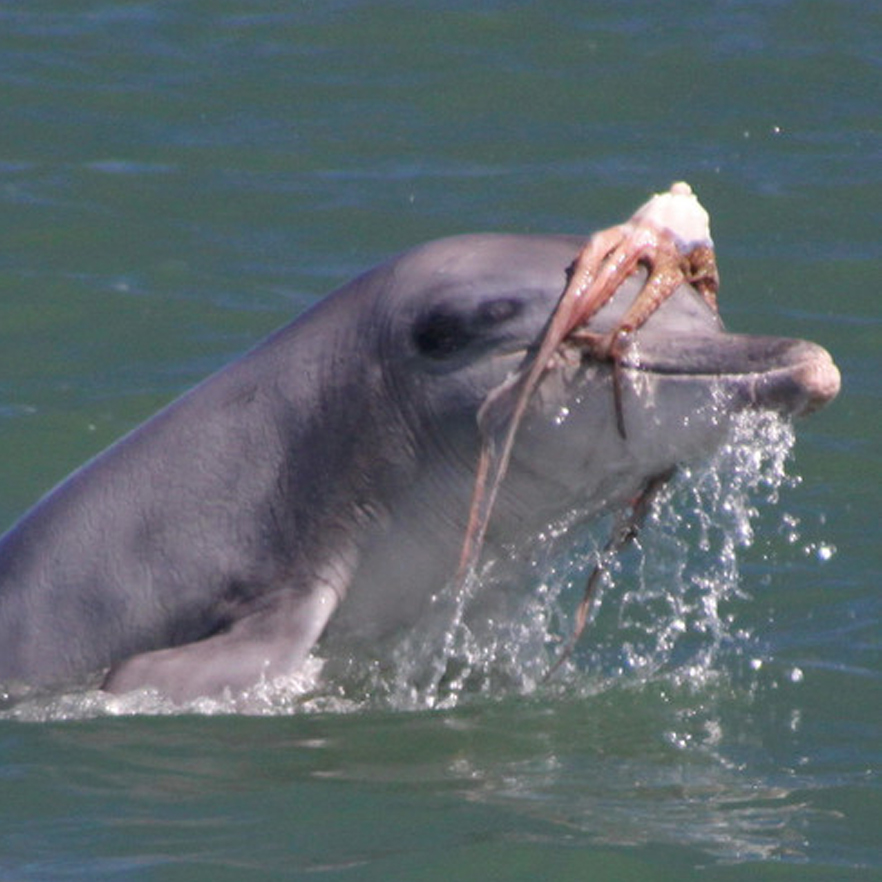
<point>819,379</point>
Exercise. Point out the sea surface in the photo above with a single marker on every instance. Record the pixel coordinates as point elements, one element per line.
<point>177,179</point>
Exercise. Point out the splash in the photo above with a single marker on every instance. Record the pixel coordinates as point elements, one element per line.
<point>664,612</point>
<point>676,619</point>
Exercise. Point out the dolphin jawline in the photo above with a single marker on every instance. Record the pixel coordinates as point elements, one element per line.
<point>793,376</point>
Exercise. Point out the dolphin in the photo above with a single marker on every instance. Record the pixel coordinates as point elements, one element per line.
<point>321,482</point>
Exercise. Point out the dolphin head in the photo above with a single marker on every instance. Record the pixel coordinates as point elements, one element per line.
<point>439,331</point>
<point>471,309</point>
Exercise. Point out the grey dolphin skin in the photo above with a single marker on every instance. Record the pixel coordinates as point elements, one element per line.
<point>319,486</point>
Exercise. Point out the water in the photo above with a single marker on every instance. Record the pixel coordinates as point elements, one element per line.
<point>179,179</point>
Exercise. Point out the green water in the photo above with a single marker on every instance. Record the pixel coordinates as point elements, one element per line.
<point>177,179</point>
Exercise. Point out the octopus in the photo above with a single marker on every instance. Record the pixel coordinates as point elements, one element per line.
<point>669,237</point>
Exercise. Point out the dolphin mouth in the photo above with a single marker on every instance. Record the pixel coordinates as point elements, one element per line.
<point>795,377</point>
<point>685,339</point>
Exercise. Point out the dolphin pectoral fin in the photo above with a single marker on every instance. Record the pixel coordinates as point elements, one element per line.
<point>268,643</point>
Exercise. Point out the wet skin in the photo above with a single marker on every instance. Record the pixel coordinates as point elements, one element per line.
<point>320,484</point>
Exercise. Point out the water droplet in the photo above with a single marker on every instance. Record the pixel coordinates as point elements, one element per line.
<point>825,551</point>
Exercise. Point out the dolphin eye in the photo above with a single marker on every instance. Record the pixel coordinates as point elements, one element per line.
<point>446,330</point>
<point>441,333</point>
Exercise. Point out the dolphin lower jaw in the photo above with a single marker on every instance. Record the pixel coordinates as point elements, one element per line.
<point>791,376</point>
